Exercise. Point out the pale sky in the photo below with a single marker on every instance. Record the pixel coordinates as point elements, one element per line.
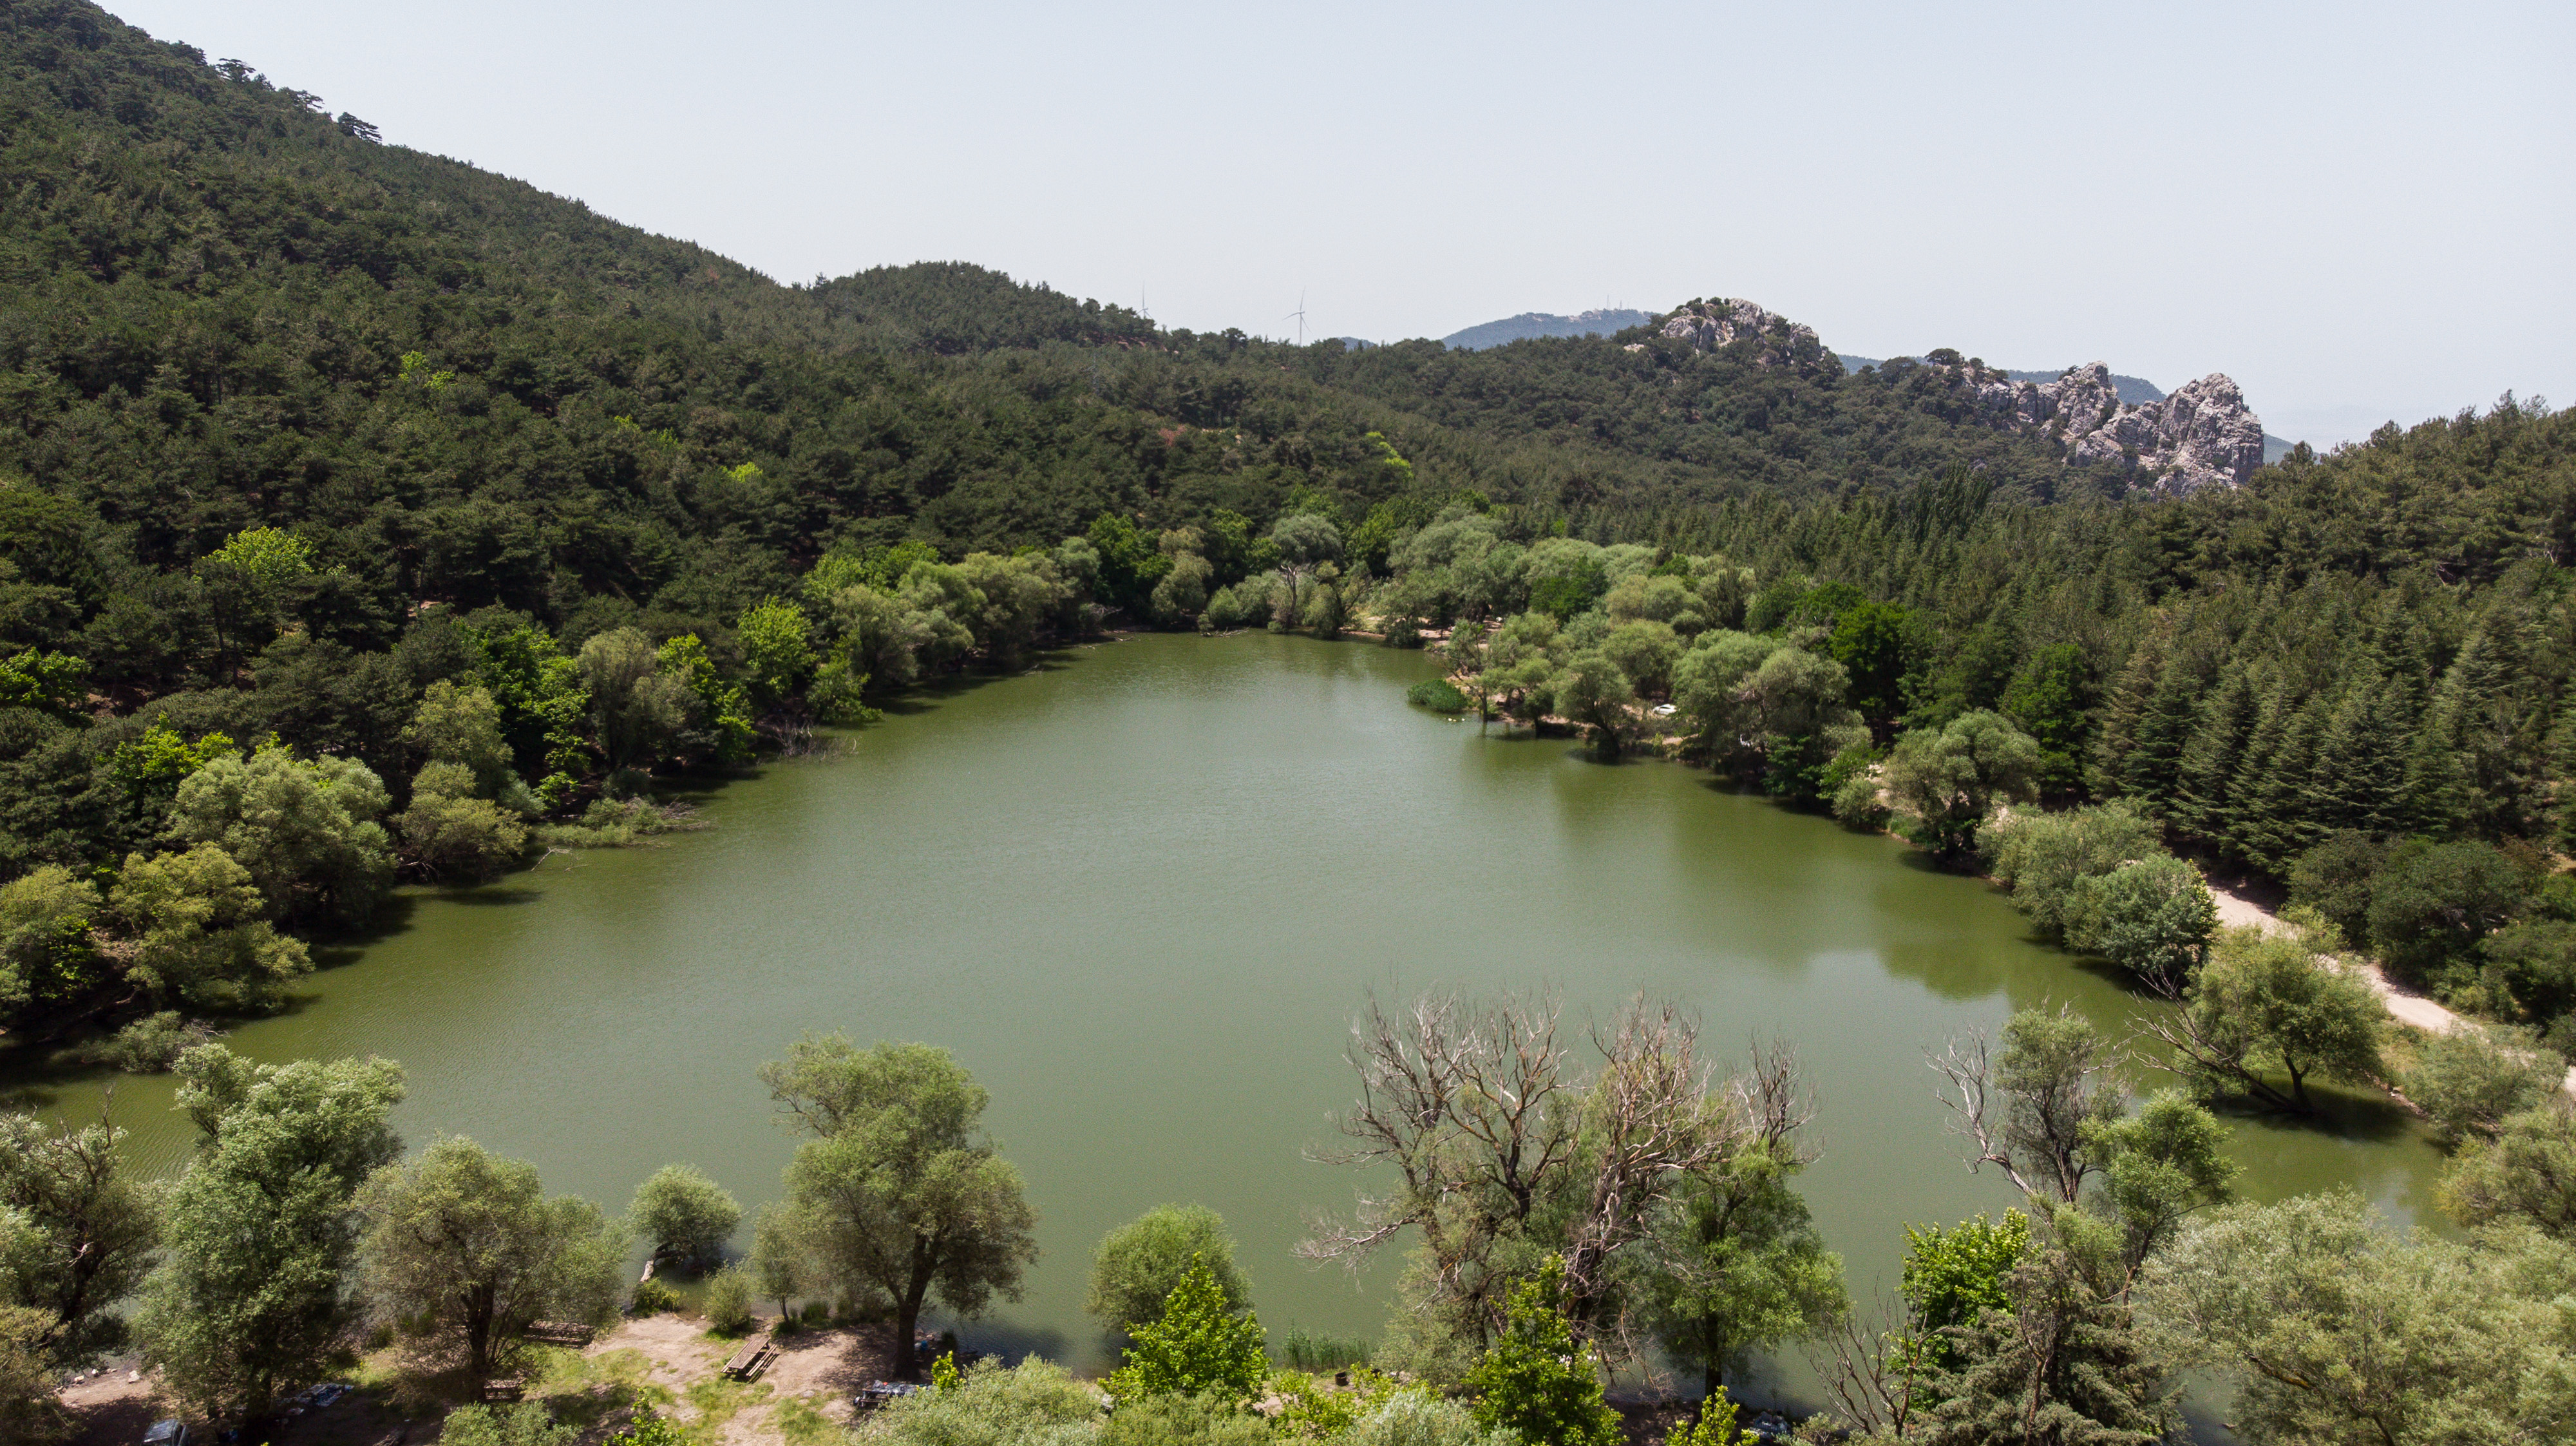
<point>2359,211</point>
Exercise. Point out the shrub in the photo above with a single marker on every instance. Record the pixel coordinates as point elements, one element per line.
<point>2470,1079</point>
<point>528,1423</point>
<point>1200,1347</point>
<point>150,1045</point>
<point>1536,1379</point>
<point>1437,694</point>
<point>1035,1403</point>
<point>652,1297</point>
<point>1419,1418</point>
<point>1183,1421</point>
<point>728,1303</point>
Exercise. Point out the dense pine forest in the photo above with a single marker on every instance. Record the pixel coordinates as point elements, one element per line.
<point>367,518</point>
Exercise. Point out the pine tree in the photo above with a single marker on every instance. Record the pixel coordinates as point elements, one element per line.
<point>2359,777</point>
<point>2154,767</point>
<point>2122,712</point>
<point>2208,762</point>
<point>2275,826</point>
<point>2239,825</point>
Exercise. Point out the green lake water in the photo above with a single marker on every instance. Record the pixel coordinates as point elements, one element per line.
<point>1139,892</point>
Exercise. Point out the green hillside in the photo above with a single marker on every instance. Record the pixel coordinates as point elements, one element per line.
<point>298,428</point>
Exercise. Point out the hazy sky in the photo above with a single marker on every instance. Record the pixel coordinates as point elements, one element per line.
<point>2358,211</point>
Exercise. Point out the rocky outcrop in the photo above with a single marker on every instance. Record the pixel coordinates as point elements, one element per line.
<point>1722,321</point>
<point>2202,435</point>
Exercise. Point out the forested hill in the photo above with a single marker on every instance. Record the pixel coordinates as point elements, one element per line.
<point>275,395</point>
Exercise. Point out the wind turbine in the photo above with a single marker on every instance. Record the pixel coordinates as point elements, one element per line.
<point>1300,315</point>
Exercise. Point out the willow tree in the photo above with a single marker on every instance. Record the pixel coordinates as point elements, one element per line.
<point>899,1195</point>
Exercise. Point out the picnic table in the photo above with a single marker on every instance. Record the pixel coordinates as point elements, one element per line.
<point>752,1359</point>
<point>559,1333</point>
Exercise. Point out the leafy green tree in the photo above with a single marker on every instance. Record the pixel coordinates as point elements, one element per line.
<point>449,833</point>
<point>1645,651</point>
<point>48,954</point>
<point>719,724</point>
<point>307,832</point>
<point>2042,855</point>
<point>777,649</point>
<point>1954,1275</point>
<point>461,726</point>
<point>2066,1363</point>
<point>470,1245</point>
<point>2433,903</point>
<point>728,1302</point>
<point>2337,878</point>
<point>1951,780</point>
<point>1137,1266</point>
<point>1739,1265</point>
<point>778,1258</point>
<point>259,1233</point>
<point>1592,691</point>
<point>1201,1345</point>
<point>1536,1379</point>
<point>31,1408</point>
<point>2333,1330</point>
<point>45,682</point>
<point>1869,641</point>
<point>638,709</point>
<point>2153,917</point>
<point>197,934</point>
<point>76,1236</point>
<point>2266,1005</point>
<point>2525,1175</point>
<point>684,1215</point>
<point>900,1193</point>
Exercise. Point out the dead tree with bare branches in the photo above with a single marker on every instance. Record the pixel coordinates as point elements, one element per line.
<point>1502,1149</point>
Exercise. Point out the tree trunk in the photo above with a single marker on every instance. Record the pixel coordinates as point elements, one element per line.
<point>907,1319</point>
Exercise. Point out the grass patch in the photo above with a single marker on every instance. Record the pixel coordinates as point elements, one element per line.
<point>1302,1350</point>
<point>716,1402</point>
<point>583,1390</point>
<point>802,1423</point>
<point>1437,694</point>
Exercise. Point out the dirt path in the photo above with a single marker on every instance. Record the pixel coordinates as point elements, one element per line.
<point>2404,1005</point>
<point>813,1377</point>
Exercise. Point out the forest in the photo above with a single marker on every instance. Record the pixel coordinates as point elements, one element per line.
<point>368,519</point>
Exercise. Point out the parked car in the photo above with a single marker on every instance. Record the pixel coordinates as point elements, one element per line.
<point>169,1431</point>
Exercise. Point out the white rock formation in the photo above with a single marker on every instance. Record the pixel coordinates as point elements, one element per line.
<point>2202,435</point>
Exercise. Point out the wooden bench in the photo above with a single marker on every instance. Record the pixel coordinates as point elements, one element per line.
<point>559,1333</point>
<point>508,1388</point>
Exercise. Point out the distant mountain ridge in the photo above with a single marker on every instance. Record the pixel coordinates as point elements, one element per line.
<point>1605,321</point>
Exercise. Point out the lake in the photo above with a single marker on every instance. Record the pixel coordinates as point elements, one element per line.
<point>1140,892</point>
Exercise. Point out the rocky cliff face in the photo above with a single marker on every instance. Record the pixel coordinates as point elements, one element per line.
<point>2200,436</point>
